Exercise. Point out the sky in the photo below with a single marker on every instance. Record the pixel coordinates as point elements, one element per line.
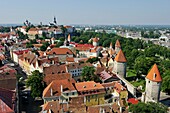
<point>96,12</point>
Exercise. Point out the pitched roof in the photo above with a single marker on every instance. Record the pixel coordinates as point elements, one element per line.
<point>54,88</point>
<point>50,77</point>
<point>119,87</point>
<point>120,57</point>
<point>55,69</point>
<point>61,51</point>
<point>117,44</point>
<point>154,74</point>
<point>52,105</point>
<point>89,85</point>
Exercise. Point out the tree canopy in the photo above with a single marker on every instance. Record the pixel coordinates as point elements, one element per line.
<point>35,81</point>
<point>149,107</point>
<point>88,74</point>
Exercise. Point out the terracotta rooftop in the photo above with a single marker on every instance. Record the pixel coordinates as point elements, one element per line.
<point>61,51</point>
<point>119,87</point>
<point>89,85</point>
<point>70,59</point>
<point>50,77</point>
<point>53,69</point>
<point>20,52</point>
<point>117,44</point>
<point>154,74</point>
<point>54,88</point>
<point>120,57</point>
<point>51,105</point>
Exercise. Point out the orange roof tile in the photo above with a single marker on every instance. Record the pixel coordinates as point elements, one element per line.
<point>117,43</point>
<point>118,87</point>
<point>154,74</point>
<point>55,87</point>
<point>61,51</point>
<point>90,85</point>
<point>50,77</point>
<point>70,59</point>
<point>120,57</point>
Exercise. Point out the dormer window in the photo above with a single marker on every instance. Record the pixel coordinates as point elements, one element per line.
<point>154,76</point>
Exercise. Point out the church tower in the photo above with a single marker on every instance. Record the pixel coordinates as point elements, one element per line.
<point>69,38</point>
<point>55,21</point>
<point>111,50</point>
<point>95,41</point>
<point>153,85</point>
<point>117,46</point>
<point>120,64</point>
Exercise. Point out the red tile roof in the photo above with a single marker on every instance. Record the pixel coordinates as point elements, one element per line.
<point>53,69</point>
<point>120,57</point>
<point>55,87</point>
<point>154,74</point>
<point>61,51</point>
<point>119,87</point>
<point>50,77</point>
<point>117,44</point>
<point>89,85</point>
<point>20,52</point>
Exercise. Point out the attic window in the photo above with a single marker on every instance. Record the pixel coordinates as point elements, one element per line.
<point>84,86</point>
<point>154,76</point>
<point>94,85</point>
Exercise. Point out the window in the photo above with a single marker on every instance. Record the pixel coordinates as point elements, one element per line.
<point>88,99</point>
<point>149,81</point>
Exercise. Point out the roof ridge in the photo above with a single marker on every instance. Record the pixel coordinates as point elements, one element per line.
<point>120,57</point>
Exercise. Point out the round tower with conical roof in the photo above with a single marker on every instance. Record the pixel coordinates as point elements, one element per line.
<point>120,64</point>
<point>153,85</point>
<point>117,46</point>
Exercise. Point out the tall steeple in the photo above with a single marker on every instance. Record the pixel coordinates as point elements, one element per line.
<point>55,21</point>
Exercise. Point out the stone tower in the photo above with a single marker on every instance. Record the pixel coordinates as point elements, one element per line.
<point>120,64</point>
<point>153,85</point>
<point>117,46</point>
<point>95,41</point>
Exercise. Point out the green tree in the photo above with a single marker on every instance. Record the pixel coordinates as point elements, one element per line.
<point>166,82</point>
<point>88,74</point>
<point>35,82</point>
<point>44,46</point>
<point>149,107</point>
<point>60,43</point>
